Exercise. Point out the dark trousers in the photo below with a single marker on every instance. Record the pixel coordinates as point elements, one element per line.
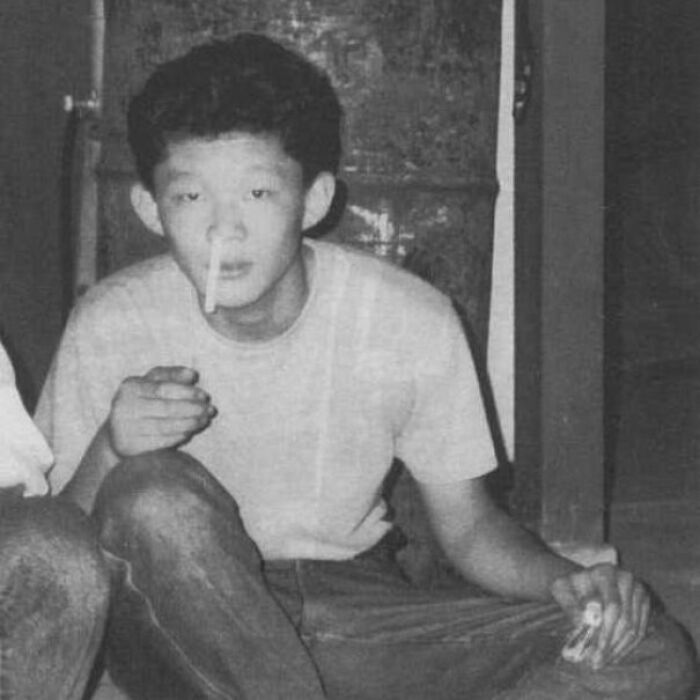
<point>198,614</point>
<point>54,594</point>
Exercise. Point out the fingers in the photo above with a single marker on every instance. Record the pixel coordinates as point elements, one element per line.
<point>163,399</point>
<point>162,385</point>
<point>176,373</point>
<point>172,427</point>
<point>620,615</point>
<point>625,615</point>
<point>625,604</point>
<point>161,409</point>
<point>615,610</point>
<point>627,639</point>
<point>168,387</point>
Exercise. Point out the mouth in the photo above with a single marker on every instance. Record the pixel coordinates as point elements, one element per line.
<point>234,270</point>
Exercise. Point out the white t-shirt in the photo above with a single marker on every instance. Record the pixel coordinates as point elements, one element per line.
<point>375,367</point>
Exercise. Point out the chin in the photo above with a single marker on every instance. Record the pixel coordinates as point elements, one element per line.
<point>237,303</point>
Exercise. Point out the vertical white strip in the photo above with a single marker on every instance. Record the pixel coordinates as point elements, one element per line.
<point>326,389</point>
<point>501,346</point>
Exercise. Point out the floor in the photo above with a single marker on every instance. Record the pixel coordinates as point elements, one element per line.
<point>655,514</point>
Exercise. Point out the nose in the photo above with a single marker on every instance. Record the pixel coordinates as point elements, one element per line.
<point>227,222</point>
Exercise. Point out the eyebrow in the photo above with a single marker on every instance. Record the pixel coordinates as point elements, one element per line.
<point>275,170</point>
<point>173,176</point>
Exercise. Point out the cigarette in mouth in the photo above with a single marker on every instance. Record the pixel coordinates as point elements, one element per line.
<point>212,276</point>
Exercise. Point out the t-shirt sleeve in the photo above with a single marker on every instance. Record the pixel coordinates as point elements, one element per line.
<point>76,395</point>
<point>446,437</point>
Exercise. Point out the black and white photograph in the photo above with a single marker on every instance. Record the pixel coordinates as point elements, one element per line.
<point>350,350</point>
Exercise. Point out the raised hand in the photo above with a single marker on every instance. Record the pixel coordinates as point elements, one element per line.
<point>164,408</point>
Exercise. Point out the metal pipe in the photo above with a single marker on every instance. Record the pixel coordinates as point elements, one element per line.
<point>98,24</point>
<point>83,248</point>
<point>91,105</point>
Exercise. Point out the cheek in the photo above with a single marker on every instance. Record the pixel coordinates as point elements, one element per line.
<point>184,229</point>
<point>187,219</point>
<point>188,250</point>
<point>273,229</point>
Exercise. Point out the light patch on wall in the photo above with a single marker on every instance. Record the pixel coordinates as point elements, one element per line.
<point>383,236</point>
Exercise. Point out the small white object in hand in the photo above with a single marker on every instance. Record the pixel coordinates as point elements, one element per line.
<point>583,638</point>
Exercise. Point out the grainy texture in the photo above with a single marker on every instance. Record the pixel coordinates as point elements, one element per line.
<point>43,55</point>
<point>419,83</point>
<point>418,79</point>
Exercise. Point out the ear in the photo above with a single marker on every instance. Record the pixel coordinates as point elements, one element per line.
<point>319,197</point>
<point>146,208</point>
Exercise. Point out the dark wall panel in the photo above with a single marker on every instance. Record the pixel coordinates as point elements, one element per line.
<point>43,52</point>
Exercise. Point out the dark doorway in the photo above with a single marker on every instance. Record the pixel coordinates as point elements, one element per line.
<point>653,249</point>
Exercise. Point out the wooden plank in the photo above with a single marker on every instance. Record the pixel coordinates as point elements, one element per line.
<point>559,277</point>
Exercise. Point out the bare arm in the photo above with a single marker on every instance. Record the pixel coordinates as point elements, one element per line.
<point>97,462</point>
<point>491,549</point>
<point>487,546</point>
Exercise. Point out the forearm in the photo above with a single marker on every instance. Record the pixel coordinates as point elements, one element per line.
<point>98,460</point>
<point>487,546</point>
<point>503,557</point>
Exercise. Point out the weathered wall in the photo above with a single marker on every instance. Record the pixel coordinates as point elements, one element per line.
<point>43,50</point>
<point>419,82</point>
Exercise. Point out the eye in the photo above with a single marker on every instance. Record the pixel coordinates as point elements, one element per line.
<point>186,197</point>
<point>259,193</point>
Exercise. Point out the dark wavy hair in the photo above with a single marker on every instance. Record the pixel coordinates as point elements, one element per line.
<point>248,83</point>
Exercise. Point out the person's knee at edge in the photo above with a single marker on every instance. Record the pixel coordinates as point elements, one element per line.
<point>56,546</point>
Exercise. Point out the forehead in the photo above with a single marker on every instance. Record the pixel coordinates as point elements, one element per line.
<point>233,153</point>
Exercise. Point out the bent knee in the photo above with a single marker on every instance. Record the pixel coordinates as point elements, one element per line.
<point>148,493</point>
<point>55,542</point>
<point>49,525</point>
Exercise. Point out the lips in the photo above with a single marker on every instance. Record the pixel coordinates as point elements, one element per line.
<point>234,269</point>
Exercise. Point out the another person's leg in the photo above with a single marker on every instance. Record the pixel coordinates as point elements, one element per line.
<point>374,636</point>
<point>192,616</point>
<point>54,596</point>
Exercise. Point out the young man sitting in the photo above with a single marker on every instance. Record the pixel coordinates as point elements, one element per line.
<point>229,412</point>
